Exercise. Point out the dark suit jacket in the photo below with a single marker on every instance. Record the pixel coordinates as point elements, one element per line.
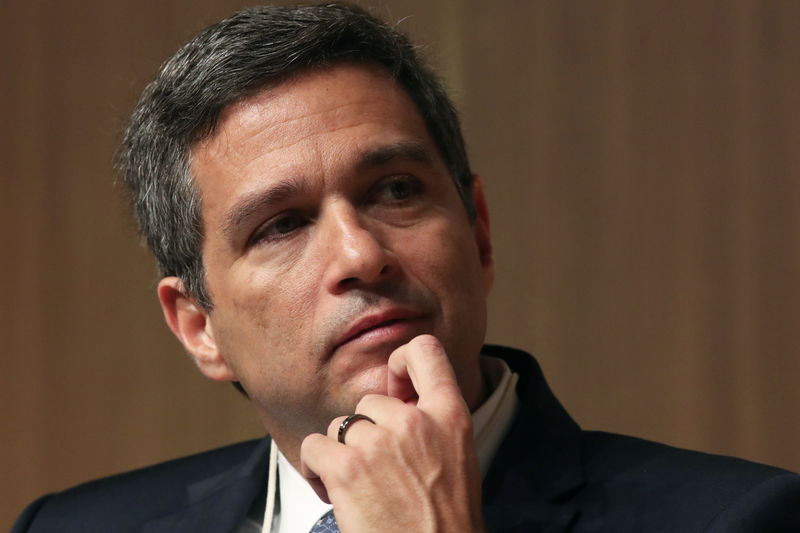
<point>547,476</point>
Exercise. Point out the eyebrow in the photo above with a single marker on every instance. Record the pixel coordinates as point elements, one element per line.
<point>413,150</point>
<point>254,203</point>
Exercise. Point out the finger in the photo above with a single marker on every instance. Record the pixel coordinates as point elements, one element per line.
<point>399,384</point>
<point>333,427</point>
<point>424,363</point>
<point>383,410</point>
<point>313,453</point>
<point>361,427</point>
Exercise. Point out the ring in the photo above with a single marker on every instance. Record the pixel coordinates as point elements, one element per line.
<point>349,420</point>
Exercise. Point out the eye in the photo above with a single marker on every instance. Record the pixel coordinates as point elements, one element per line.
<point>397,189</point>
<point>285,225</point>
<point>279,227</point>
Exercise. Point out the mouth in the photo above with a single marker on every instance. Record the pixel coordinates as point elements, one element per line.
<point>381,328</point>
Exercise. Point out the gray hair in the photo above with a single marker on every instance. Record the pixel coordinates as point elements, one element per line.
<point>226,63</point>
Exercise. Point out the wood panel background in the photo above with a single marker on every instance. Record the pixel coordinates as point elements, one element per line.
<point>643,172</point>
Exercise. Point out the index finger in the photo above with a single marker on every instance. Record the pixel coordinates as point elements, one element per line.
<point>423,367</point>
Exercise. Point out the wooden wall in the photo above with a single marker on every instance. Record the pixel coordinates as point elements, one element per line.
<point>643,172</point>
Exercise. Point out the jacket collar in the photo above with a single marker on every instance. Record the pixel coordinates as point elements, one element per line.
<point>538,466</point>
<point>219,503</point>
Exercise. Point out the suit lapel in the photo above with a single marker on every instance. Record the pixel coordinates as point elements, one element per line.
<point>220,503</point>
<point>537,469</point>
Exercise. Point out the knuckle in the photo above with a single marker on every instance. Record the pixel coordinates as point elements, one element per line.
<point>365,402</point>
<point>352,466</point>
<point>462,424</point>
<point>381,441</point>
<point>411,421</point>
<point>333,427</point>
<point>308,444</point>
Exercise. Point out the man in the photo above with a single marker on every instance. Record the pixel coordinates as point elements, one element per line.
<point>303,184</point>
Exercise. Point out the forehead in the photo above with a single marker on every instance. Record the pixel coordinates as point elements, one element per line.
<point>310,115</point>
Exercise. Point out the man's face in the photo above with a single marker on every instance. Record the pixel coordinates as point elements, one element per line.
<point>333,235</point>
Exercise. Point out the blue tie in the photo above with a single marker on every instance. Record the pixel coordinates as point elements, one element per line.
<point>326,524</point>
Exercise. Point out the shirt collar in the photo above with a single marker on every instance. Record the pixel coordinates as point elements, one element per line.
<point>491,421</point>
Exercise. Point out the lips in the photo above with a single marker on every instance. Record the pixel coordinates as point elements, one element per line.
<point>378,324</point>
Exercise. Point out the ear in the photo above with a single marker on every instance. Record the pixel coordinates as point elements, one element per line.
<point>191,324</point>
<point>483,236</point>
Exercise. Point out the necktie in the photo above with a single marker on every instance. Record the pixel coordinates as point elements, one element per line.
<point>326,524</point>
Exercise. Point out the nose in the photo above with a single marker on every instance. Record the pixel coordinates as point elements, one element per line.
<point>354,254</point>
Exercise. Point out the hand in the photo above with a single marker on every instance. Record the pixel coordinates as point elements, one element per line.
<point>416,468</point>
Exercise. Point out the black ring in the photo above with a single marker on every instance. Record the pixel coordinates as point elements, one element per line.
<point>349,420</point>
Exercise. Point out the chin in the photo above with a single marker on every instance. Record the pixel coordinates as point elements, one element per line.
<point>371,381</point>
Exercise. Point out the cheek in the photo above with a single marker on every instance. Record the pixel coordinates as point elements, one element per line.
<point>265,297</point>
<point>460,256</point>
<point>448,263</point>
<point>263,315</point>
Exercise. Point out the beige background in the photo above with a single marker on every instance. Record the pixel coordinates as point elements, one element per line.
<point>642,167</point>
